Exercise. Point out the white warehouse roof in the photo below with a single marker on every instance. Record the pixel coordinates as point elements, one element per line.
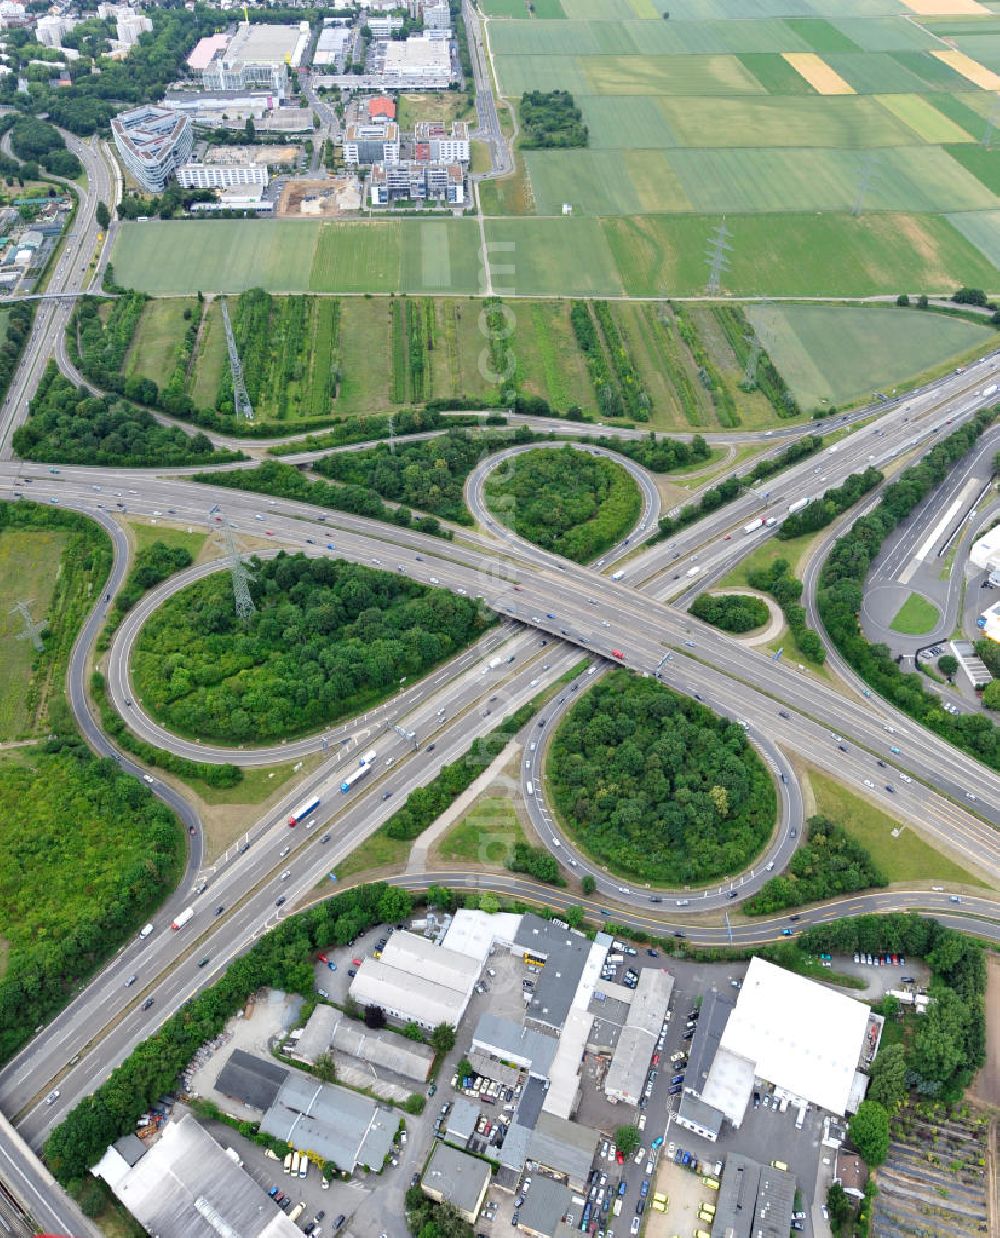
<point>473,932</point>
<point>985,552</point>
<point>802,1037</point>
<point>417,980</point>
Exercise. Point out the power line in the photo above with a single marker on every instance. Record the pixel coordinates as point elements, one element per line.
<point>32,631</point>
<point>868,168</point>
<point>718,260</point>
<point>992,120</point>
<point>241,400</point>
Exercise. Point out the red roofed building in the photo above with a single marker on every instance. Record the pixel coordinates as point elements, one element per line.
<point>383,107</point>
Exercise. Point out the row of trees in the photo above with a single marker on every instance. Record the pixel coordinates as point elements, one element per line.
<point>786,590</point>
<point>841,592</point>
<point>566,501</point>
<point>68,424</point>
<point>87,852</point>
<point>833,503</point>
<point>282,959</point>
<point>829,863</point>
<point>948,1044</point>
<point>732,612</point>
<point>19,319</point>
<point>328,639</point>
<point>656,786</point>
<point>767,377</point>
<point>283,481</point>
<point>730,489</point>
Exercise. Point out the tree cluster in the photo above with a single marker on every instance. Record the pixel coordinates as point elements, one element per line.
<point>786,590</point>
<point>429,475</point>
<point>281,959</point>
<point>152,565</point>
<point>19,319</point>
<point>426,1218</point>
<point>69,425</point>
<point>829,863</point>
<point>767,377</point>
<point>949,1043</point>
<point>658,454</point>
<point>658,787</point>
<point>730,489</point>
<point>550,120</point>
<point>732,612</point>
<point>283,481</point>
<point>328,639</point>
<point>36,141</point>
<point>537,863</point>
<point>841,592</point>
<point>833,503</point>
<point>87,852</point>
<point>99,344</point>
<point>868,1130</point>
<point>566,501</point>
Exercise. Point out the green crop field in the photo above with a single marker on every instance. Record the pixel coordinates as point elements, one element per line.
<point>840,354</point>
<point>29,569</point>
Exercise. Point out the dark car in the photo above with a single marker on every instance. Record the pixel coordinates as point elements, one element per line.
<point>280,902</point>
<point>220,909</point>
<point>339,1221</point>
<point>325,838</point>
<point>147,1003</point>
<point>204,962</point>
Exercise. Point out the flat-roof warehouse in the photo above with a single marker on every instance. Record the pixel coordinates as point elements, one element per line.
<point>416,980</point>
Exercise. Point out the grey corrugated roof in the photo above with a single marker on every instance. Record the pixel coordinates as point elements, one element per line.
<point>715,1012</point>
<point>754,1199</point>
<point>340,1125</point>
<point>331,1028</point>
<point>462,1120</point>
<point>459,1177</point>
<point>563,1146</point>
<point>565,953</point>
<point>545,1205</point>
<point>694,1109</point>
<point>514,1152</point>
<point>504,1036</point>
<point>253,1080</point>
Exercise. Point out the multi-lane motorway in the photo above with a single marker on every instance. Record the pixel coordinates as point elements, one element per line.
<point>539,598</point>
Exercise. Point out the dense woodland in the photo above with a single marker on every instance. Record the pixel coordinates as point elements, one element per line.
<point>732,612</point>
<point>841,592</point>
<point>68,425</point>
<point>564,500</point>
<point>550,119</point>
<point>656,786</point>
<point>36,141</point>
<point>328,640</point>
<point>429,474</point>
<point>828,863</point>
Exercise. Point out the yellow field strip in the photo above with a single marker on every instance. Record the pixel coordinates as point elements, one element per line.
<point>818,73</point>
<point>945,8</point>
<point>976,73</point>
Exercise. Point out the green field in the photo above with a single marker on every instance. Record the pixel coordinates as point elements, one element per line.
<point>29,568</point>
<point>905,857</point>
<point>487,834</point>
<point>915,617</point>
<point>152,353</point>
<point>839,354</point>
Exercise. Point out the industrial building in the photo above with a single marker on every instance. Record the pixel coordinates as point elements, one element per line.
<point>455,1178</point>
<point>331,47</point>
<point>221,176</point>
<point>507,1041</point>
<point>626,1075</point>
<point>257,56</point>
<point>329,1028</point>
<point>416,182</point>
<point>755,1200</point>
<point>377,142</point>
<point>432,141</point>
<point>989,622</point>
<point>985,552</point>
<point>153,143</point>
<point>416,980</point>
<point>545,1208</point>
<point>187,1186</point>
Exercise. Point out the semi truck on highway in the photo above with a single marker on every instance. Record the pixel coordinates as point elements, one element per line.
<point>303,810</point>
<point>494,663</point>
<point>797,506</point>
<point>183,918</point>
<point>364,765</point>
<point>754,525</point>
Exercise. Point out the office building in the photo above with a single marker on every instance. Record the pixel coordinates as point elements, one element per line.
<point>435,143</point>
<point>417,61</point>
<point>221,175</point>
<point>416,182</point>
<point>371,143</point>
<point>258,56</point>
<point>153,143</point>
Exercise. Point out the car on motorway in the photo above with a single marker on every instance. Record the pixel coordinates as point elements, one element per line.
<point>147,1003</point>
<point>130,981</point>
<point>280,902</point>
<point>204,962</point>
<point>53,1096</point>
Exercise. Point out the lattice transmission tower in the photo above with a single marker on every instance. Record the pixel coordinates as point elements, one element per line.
<point>718,258</point>
<point>240,574</point>
<point>241,400</point>
<point>868,168</point>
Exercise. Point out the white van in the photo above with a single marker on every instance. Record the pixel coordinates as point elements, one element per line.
<point>530,788</point>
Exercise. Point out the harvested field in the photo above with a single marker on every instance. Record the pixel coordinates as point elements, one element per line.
<point>818,73</point>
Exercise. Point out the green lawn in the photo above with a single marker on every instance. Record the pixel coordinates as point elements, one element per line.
<point>916,616</point>
<point>146,534</point>
<point>839,354</point>
<point>206,373</point>
<point>486,835</point>
<point>153,350</point>
<point>903,858</point>
<point>376,852</point>
<point>794,550</point>
<point>29,568</point>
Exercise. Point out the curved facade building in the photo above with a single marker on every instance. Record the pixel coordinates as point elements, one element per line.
<point>153,143</point>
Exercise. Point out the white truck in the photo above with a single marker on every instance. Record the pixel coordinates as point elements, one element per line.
<point>183,918</point>
<point>797,506</point>
<point>494,663</point>
<point>753,526</point>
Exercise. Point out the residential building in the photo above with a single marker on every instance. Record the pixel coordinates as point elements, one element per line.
<point>440,145</point>
<point>50,29</point>
<point>130,25</point>
<point>437,15</point>
<point>371,143</point>
<point>754,1200</point>
<point>458,1179</point>
<point>194,175</point>
<point>187,1186</point>
<point>417,182</point>
<point>383,27</point>
<point>153,143</point>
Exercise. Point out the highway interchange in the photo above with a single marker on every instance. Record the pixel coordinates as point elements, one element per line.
<point>539,598</point>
